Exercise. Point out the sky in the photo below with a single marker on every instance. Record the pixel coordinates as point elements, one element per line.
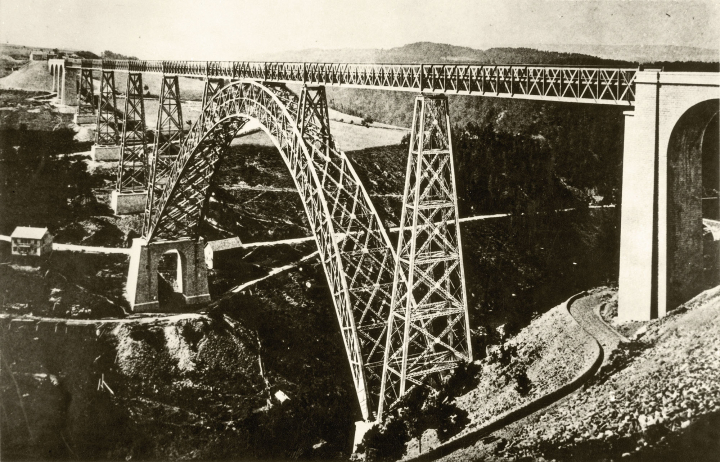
<point>240,29</point>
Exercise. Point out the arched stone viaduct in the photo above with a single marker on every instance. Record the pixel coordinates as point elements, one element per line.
<point>661,249</point>
<point>405,305</point>
<point>64,82</point>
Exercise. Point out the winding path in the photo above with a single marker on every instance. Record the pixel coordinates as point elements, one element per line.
<point>581,308</point>
<point>586,312</point>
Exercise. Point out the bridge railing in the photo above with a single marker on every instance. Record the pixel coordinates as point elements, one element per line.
<point>559,83</point>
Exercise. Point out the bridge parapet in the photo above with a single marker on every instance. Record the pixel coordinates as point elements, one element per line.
<point>583,84</point>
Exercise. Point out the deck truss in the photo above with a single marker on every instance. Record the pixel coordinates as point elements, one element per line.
<point>579,84</point>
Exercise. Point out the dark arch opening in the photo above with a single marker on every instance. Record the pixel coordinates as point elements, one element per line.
<point>170,280</point>
<point>693,174</point>
<point>711,171</point>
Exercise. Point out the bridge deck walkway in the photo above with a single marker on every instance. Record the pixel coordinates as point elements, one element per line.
<point>579,84</point>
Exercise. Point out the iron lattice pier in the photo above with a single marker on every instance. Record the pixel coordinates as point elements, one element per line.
<point>429,331</point>
<point>132,169</point>
<point>168,139</point>
<point>108,132</point>
<point>86,96</point>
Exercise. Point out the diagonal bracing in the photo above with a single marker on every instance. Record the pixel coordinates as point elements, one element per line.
<point>108,130</point>
<point>354,249</point>
<point>85,96</point>
<point>429,332</point>
<point>366,252</point>
<point>132,168</point>
<point>168,139</point>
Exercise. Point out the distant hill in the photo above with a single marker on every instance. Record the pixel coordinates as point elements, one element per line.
<point>107,54</point>
<point>428,52</point>
<point>22,52</point>
<point>642,53</point>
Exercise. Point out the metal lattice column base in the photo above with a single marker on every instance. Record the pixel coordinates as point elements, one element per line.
<point>429,333</point>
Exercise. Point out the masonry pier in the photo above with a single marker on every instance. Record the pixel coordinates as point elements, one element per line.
<point>128,203</point>
<point>661,245</point>
<point>143,276</point>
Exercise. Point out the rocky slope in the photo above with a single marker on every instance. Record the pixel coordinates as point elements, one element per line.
<point>656,398</point>
<point>123,390</point>
<point>33,76</point>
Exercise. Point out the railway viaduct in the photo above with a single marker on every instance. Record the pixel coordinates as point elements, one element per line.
<point>402,309</point>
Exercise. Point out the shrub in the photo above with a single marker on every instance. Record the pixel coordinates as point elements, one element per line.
<point>523,385</point>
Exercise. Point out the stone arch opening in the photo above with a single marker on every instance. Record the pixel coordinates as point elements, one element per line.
<point>711,170</point>
<point>170,272</point>
<point>170,269</point>
<point>692,176</point>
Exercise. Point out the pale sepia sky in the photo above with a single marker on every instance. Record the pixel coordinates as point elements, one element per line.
<point>225,29</point>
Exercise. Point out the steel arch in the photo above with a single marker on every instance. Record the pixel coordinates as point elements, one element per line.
<point>354,248</point>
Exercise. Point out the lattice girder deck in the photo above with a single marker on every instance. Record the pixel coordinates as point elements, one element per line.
<point>354,249</point>
<point>429,330</point>
<point>578,84</point>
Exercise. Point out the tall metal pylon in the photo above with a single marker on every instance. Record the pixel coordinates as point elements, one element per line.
<point>85,96</point>
<point>168,139</point>
<point>132,169</point>
<point>107,133</point>
<point>429,331</point>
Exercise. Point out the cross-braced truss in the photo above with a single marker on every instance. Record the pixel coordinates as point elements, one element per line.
<point>212,86</point>
<point>579,84</point>
<point>429,330</point>
<point>107,133</point>
<point>132,168</point>
<point>354,249</point>
<point>85,97</point>
<point>168,139</point>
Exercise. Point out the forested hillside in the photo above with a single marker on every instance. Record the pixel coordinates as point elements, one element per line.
<point>512,155</point>
<point>428,52</point>
<point>516,155</point>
